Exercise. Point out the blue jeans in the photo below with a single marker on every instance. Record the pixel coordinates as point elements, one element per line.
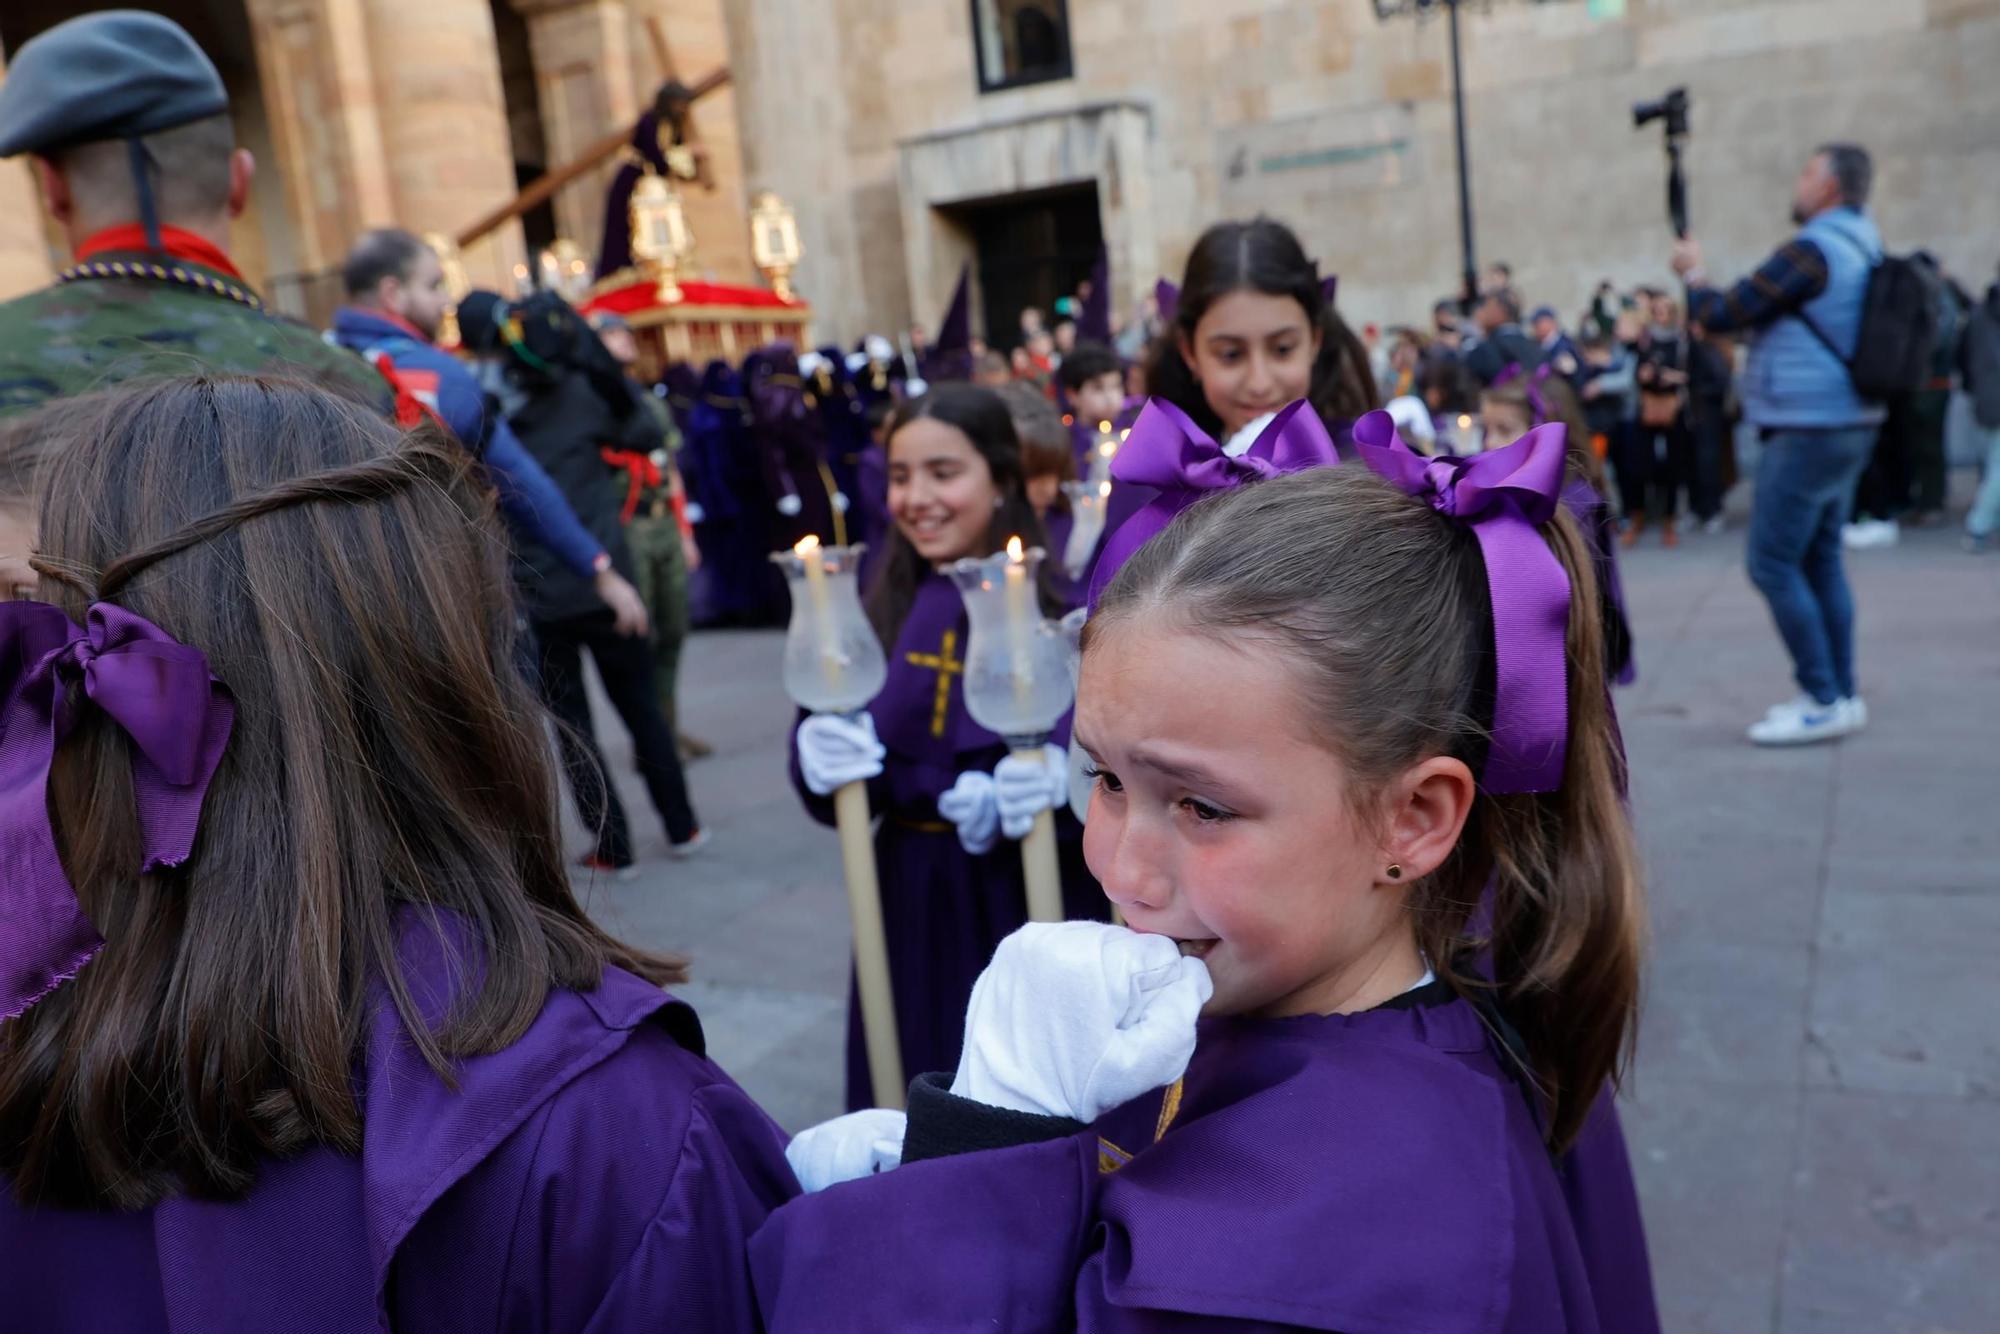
<point>1985,515</point>
<point>1805,487</point>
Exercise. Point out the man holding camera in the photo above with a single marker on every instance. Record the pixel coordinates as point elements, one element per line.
<point>1803,303</point>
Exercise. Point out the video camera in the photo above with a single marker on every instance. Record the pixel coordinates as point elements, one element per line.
<point>1673,109</point>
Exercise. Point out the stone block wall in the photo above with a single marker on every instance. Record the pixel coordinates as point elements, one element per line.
<point>1314,111</point>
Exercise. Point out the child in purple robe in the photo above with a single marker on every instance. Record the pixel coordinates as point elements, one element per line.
<point>950,798</point>
<point>1517,403</point>
<point>1365,1130</point>
<point>1255,328</point>
<point>301,1027</point>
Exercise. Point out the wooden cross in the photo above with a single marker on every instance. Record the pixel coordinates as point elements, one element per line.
<point>946,665</point>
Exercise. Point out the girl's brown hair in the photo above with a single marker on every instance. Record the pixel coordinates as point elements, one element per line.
<point>1564,407</point>
<point>1382,605</point>
<point>348,584</point>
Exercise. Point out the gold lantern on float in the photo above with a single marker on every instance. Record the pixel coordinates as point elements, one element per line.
<point>456,284</point>
<point>660,233</point>
<point>774,241</point>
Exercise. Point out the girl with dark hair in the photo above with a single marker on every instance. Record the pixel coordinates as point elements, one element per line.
<point>1255,329</point>
<point>951,799</point>
<point>1406,719</point>
<point>300,1024</point>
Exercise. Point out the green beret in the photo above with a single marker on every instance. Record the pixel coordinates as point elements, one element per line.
<point>117,74</point>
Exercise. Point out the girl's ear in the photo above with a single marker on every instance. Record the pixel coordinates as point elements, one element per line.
<point>1430,804</point>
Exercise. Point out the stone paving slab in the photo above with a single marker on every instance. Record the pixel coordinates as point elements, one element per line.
<point>1815,1109</point>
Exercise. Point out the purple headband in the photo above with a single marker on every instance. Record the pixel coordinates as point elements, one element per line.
<point>1536,403</point>
<point>1505,496</point>
<point>1168,452</point>
<point>178,718</point>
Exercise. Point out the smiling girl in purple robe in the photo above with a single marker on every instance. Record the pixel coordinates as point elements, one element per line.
<point>301,1027</point>
<point>1405,713</point>
<point>950,798</point>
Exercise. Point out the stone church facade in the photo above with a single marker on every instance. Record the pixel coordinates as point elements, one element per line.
<point>916,136</point>
<point>879,120</point>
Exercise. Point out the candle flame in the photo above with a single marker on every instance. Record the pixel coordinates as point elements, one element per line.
<point>1125,434</point>
<point>1014,554</point>
<point>807,545</point>
<point>1104,489</point>
<point>1104,428</point>
<point>1464,422</point>
<point>1107,449</point>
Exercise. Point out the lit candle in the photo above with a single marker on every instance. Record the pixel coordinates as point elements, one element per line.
<point>811,557</point>
<point>1021,617</point>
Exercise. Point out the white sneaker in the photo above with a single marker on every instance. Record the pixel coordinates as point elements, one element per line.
<point>1822,722</point>
<point>1715,527</point>
<point>1857,712</point>
<point>1791,708</point>
<point>1866,534</point>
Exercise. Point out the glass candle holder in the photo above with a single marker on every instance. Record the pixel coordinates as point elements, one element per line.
<point>1017,665</point>
<point>833,661</point>
<point>1088,502</point>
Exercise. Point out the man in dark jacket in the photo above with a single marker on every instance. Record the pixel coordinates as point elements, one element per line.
<point>567,399</point>
<point>1502,341</point>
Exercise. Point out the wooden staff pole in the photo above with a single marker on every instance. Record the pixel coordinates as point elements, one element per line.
<point>871,944</point>
<point>1039,866</point>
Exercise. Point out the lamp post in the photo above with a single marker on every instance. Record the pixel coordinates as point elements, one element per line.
<point>1389,9</point>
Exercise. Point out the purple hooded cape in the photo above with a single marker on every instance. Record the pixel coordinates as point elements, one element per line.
<point>599,1174</point>
<point>945,910</point>
<point>1377,1173</point>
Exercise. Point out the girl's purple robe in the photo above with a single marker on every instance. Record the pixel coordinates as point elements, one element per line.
<point>945,910</point>
<point>599,1174</point>
<point>1377,1173</point>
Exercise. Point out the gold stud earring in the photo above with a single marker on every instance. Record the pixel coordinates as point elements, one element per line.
<point>1396,871</point>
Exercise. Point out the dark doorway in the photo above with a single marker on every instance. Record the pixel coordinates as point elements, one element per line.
<point>1032,249</point>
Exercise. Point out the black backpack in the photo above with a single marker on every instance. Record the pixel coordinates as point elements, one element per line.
<point>1899,329</point>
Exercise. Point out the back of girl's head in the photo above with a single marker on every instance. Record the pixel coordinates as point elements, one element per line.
<point>1046,450</point>
<point>1559,404</point>
<point>1261,255</point>
<point>980,415</point>
<point>348,586</point>
<point>1381,605</point>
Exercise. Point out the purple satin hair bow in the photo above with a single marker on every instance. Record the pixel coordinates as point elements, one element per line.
<point>1505,496</point>
<point>1169,453</point>
<point>1167,296</point>
<point>178,718</point>
<point>1537,404</point>
<point>1329,287</point>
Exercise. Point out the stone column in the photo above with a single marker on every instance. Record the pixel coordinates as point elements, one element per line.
<point>24,250</point>
<point>435,71</point>
<point>319,93</point>
<point>584,65</point>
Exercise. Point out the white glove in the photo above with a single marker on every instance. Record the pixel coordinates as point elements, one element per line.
<point>847,1148</point>
<point>970,806</point>
<point>835,751</point>
<point>790,506</point>
<point>1026,785</point>
<point>1075,1018</point>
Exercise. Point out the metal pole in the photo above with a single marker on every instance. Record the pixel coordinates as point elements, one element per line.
<point>1464,164</point>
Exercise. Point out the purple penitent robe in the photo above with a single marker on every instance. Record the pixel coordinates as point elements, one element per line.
<point>599,1174</point>
<point>1377,1173</point>
<point>944,910</point>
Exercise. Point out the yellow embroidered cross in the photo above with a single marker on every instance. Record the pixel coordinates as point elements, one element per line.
<point>946,665</point>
